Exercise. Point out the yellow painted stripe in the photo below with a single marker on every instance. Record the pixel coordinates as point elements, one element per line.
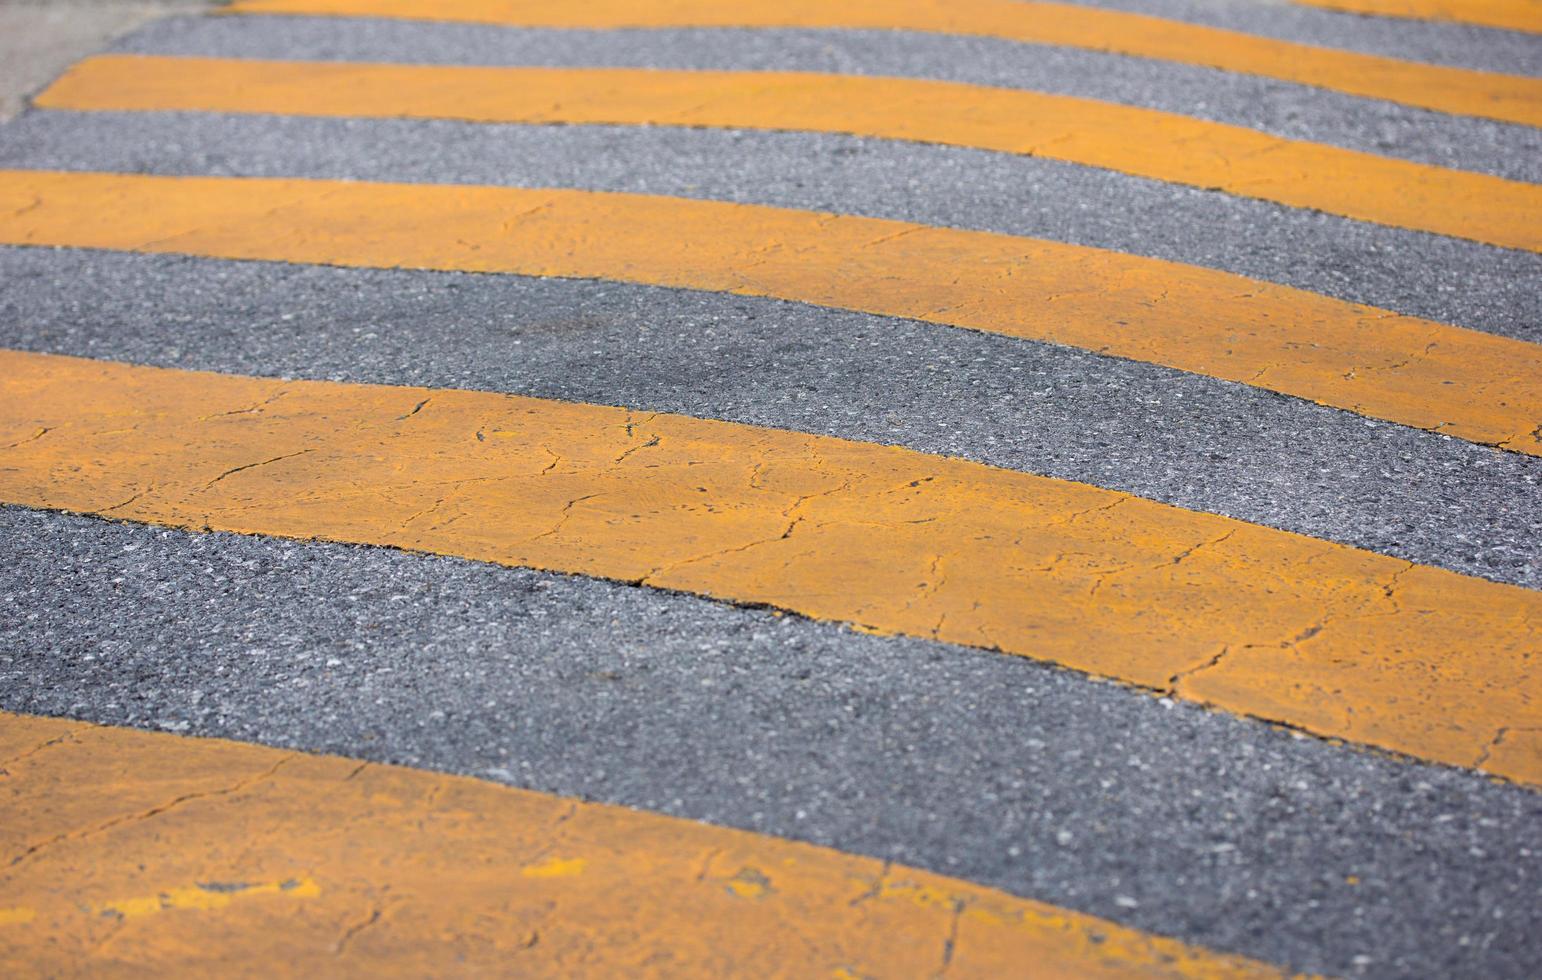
<point>1415,372</point>
<point>1334,640</point>
<point>137,853</point>
<point>1495,96</point>
<point>1158,145</point>
<point>1514,15</point>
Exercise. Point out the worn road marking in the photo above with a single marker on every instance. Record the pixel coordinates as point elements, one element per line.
<point>1514,15</point>
<point>1495,96</point>
<point>1337,641</point>
<point>310,864</point>
<point>1471,385</point>
<point>1144,142</point>
<point>203,896</point>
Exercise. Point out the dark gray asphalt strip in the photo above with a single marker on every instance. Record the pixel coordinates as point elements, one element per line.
<point>1192,441</point>
<point>1292,111</point>
<point>1217,830</point>
<point>1441,278</point>
<point>1432,41</point>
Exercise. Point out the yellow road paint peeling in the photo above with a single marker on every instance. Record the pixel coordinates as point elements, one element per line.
<point>1415,372</point>
<point>1336,641</point>
<point>1158,145</point>
<point>749,883</point>
<point>1513,15</point>
<point>206,897</point>
<point>1457,90</point>
<point>414,875</point>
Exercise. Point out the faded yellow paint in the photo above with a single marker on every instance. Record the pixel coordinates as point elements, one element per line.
<point>1337,641</point>
<point>18,915</point>
<point>1514,15</point>
<point>1144,142</point>
<point>205,897</point>
<point>1415,372</point>
<point>415,875</point>
<point>1508,97</point>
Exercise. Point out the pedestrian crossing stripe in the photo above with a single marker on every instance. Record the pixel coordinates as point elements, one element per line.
<point>1491,95</point>
<point>1143,142</point>
<point>1327,638</point>
<point>184,855</point>
<point>1415,372</point>
<point>1510,15</point>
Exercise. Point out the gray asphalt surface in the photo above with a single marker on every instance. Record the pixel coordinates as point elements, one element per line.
<point>1040,781</point>
<point>1292,111</point>
<point>1181,438</point>
<point>1165,816</point>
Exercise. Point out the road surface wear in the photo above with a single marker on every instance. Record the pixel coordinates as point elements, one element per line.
<point>883,488</point>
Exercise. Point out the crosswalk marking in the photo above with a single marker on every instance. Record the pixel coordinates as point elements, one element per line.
<point>1513,15</point>
<point>933,742</point>
<point>1455,90</point>
<point>242,854</point>
<point>1415,372</point>
<point>1261,622</point>
<point>1143,142</point>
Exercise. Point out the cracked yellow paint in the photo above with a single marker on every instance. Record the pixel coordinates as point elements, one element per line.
<point>1415,372</point>
<point>1513,748</point>
<point>415,874</point>
<point>1144,142</point>
<point>1457,90</point>
<point>1513,15</point>
<point>1337,641</point>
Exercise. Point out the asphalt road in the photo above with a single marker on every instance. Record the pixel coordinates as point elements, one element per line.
<point>1210,827</point>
